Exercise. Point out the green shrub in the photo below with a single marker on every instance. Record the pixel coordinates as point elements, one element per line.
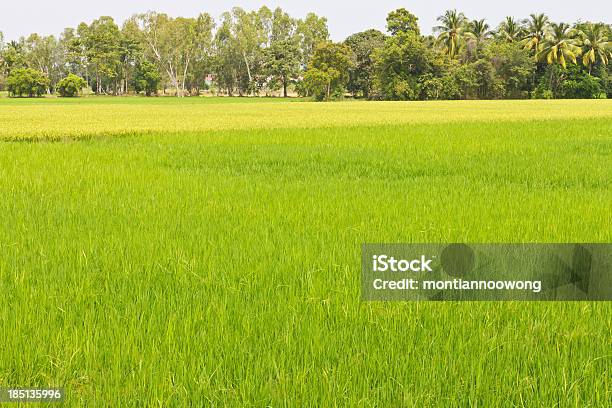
<point>543,93</point>
<point>28,82</point>
<point>582,86</point>
<point>71,86</point>
<point>317,83</point>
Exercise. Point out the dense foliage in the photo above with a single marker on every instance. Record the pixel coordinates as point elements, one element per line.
<point>327,73</point>
<point>268,52</point>
<point>71,85</point>
<point>27,82</point>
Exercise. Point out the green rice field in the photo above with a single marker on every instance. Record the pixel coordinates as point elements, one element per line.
<point>206,251</point>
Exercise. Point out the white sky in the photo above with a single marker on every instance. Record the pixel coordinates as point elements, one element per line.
<point>22,17</point>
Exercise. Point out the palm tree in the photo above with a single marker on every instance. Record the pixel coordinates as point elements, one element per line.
<point>593,40</point>
<point>511,30</point>
<point>536,27</point>
<point>559,46</point>
<point>477,32</point>
<point>451,28</point>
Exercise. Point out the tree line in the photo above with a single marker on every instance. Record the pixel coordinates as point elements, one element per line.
<point>265,52</point>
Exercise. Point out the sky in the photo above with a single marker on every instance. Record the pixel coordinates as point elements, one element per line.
<point>345,17</point>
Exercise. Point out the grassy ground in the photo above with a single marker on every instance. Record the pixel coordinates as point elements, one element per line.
<point>211,254</point>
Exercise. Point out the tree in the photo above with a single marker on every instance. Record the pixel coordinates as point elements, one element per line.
<point>312,30</point>
<point>489,86</point>
<point>450,31</point>
<point>559,46</point>
<point>101,41</point>
<point>477,32</point>
<point>282,57</point>
<point>400,64</point>
<point>43,54</point>
<point>175,43</point>
<point>2,45</point>
<point>578,84</point>
<point>445,87</point>
<point>27,81</point>
<point>404,64</point>
<point>240,49</point>
<point>465,80</point>
<point>363,45</point>
<point>535,27</point>
<point>146,78</point>
<point>329,67</point>
<point>513,65</point>
<point>255,51</point>
<point>250,34</point>
<point>595,47</point>
<point>225,57</point>
<point>130,52</point>
<point>197,50</point>
<point>13,57</point>
<point>511,30</point>
<point>402,21</point>
<point>318,82</point>
<point>71,85</point>
<point>73,49</point>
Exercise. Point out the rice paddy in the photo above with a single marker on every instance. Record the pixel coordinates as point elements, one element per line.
<point>206,252</point>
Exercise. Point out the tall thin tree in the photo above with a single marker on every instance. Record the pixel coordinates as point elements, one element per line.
<point>595,45</point>
<point>450,31</point>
